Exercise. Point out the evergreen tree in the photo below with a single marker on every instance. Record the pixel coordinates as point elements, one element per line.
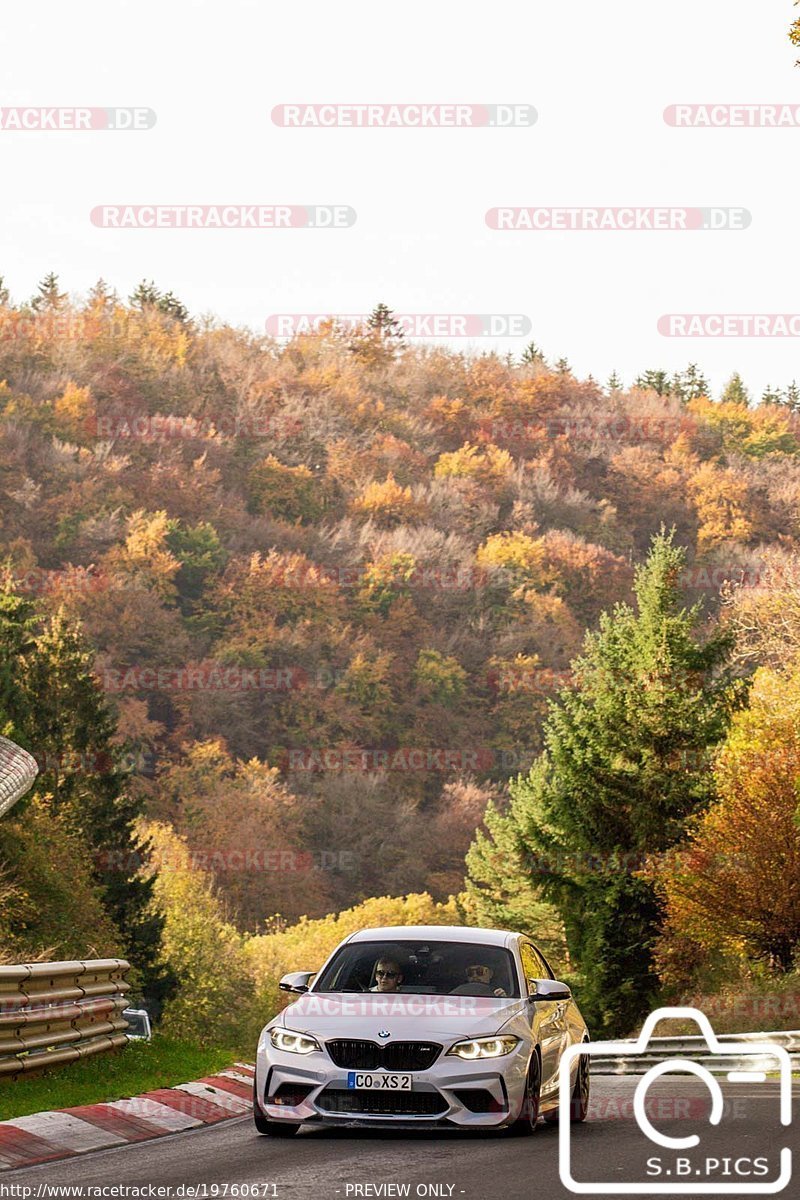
<point>52,705</point>
<point>80,772</point>
<point>563,367</point>
<point>171,306</point>
<point>792,396</point>
<point>735,392</point>
<point>145,295</point>
<point>378,343</point>
<point>690,384</point>
<point>17,640</point>
<point>531,354</point>
<point>615,383</point>
<point>49,298</point>
<point>655,380</point>
<point>101,298</point>
<point>5,295</point>
<point>771,395</point>
<point>622,770</point>
<point>383,322</point>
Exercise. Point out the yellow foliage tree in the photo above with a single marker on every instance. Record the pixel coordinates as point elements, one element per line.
<point>214,1003</point>
<point>734,885</point>
<point>145,555</point>
<point>488,465</point>
<point>721,501</point>
<point>74,409</point>
<point>387,503</point>
<point>522,556</point>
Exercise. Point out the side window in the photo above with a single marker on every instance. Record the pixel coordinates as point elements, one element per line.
<point>531,965</point>
<point>548,970</point>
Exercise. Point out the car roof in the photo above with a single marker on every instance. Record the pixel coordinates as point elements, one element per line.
<point>435,933</point>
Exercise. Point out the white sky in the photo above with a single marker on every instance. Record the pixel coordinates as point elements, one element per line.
<point>599,74</point>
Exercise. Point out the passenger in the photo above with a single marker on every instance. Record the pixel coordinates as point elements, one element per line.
<point>388,976</point>
<point>479,982</point>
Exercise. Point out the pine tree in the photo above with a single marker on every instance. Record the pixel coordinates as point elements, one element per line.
<point>622,770</point>
<point>563,367</point>
<point>531,355</point>
<point>171,306</point>
<point>655,381</point>
<point>771,395</point>
<point>690,384</point>
<point>792,396</point>
<point>5,295</point>
<point>615,383</point>
<point>49,298</point>
<point>383,322</point>
<point>145,295</point>
<point>101,298</point>
<point>735,392</point>
<point>17,640</point>
<point>51,703</point>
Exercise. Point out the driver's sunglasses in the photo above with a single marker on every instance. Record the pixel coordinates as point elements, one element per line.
<point>386,974</point>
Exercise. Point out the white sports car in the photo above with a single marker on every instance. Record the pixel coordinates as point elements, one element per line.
<point>421,1026</point>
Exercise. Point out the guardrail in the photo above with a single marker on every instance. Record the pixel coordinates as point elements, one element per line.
<point>659,1049</point>
<point>55,1013</point>
<point>18,769</point>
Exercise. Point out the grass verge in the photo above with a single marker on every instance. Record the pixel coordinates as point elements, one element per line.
<point>139,1067</point>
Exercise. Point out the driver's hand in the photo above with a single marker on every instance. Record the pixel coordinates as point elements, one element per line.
<point>499,992</point>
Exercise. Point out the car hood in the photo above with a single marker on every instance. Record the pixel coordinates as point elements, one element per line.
<point>403,1017</point>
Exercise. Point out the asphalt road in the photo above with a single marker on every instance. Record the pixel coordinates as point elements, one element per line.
<point>321,1164</point>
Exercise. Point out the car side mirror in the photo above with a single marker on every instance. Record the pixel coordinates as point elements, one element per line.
<point>549,989</point>
<point>297,981</point>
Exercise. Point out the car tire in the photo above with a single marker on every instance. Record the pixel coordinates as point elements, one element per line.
<point>269,1128</point>
<point>526,1122</point>
<point>579,1102</point>
<point>579,1105</point>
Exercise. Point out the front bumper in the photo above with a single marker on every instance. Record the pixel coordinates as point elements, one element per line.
<point>445,1095</point>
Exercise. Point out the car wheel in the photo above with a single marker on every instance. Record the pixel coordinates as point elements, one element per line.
<point>579,1103</point>
<point>269,1128</point>
<point>525,1123</point>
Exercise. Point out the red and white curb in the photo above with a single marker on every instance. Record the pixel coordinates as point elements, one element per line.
<point>67,1132</point>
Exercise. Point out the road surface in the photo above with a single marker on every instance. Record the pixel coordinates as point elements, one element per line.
<point>321,1164</point>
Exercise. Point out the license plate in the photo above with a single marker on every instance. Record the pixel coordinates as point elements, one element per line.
<point>379,1081</point>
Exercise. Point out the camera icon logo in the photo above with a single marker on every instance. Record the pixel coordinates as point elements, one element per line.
<point>761,1058</point>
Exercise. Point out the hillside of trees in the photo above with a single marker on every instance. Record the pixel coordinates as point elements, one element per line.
<point>289,618</point>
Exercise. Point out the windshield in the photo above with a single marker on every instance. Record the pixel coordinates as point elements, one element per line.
<point>426,968</point>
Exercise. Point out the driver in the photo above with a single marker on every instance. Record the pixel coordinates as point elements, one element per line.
<point>388,976</point>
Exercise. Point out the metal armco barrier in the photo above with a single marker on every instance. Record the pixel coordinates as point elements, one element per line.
<point>696,1048</point>
<point>56,1013</point>
<point>18,769</point>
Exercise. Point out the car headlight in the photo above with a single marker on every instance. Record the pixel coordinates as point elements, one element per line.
<point>295,1043</point>
<point>494,1047</point>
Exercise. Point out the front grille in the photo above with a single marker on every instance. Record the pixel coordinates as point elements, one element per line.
<point>394,1056</point>
<point>388,1104</point>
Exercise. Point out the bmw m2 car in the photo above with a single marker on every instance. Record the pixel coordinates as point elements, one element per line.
<point>424,1027</point>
